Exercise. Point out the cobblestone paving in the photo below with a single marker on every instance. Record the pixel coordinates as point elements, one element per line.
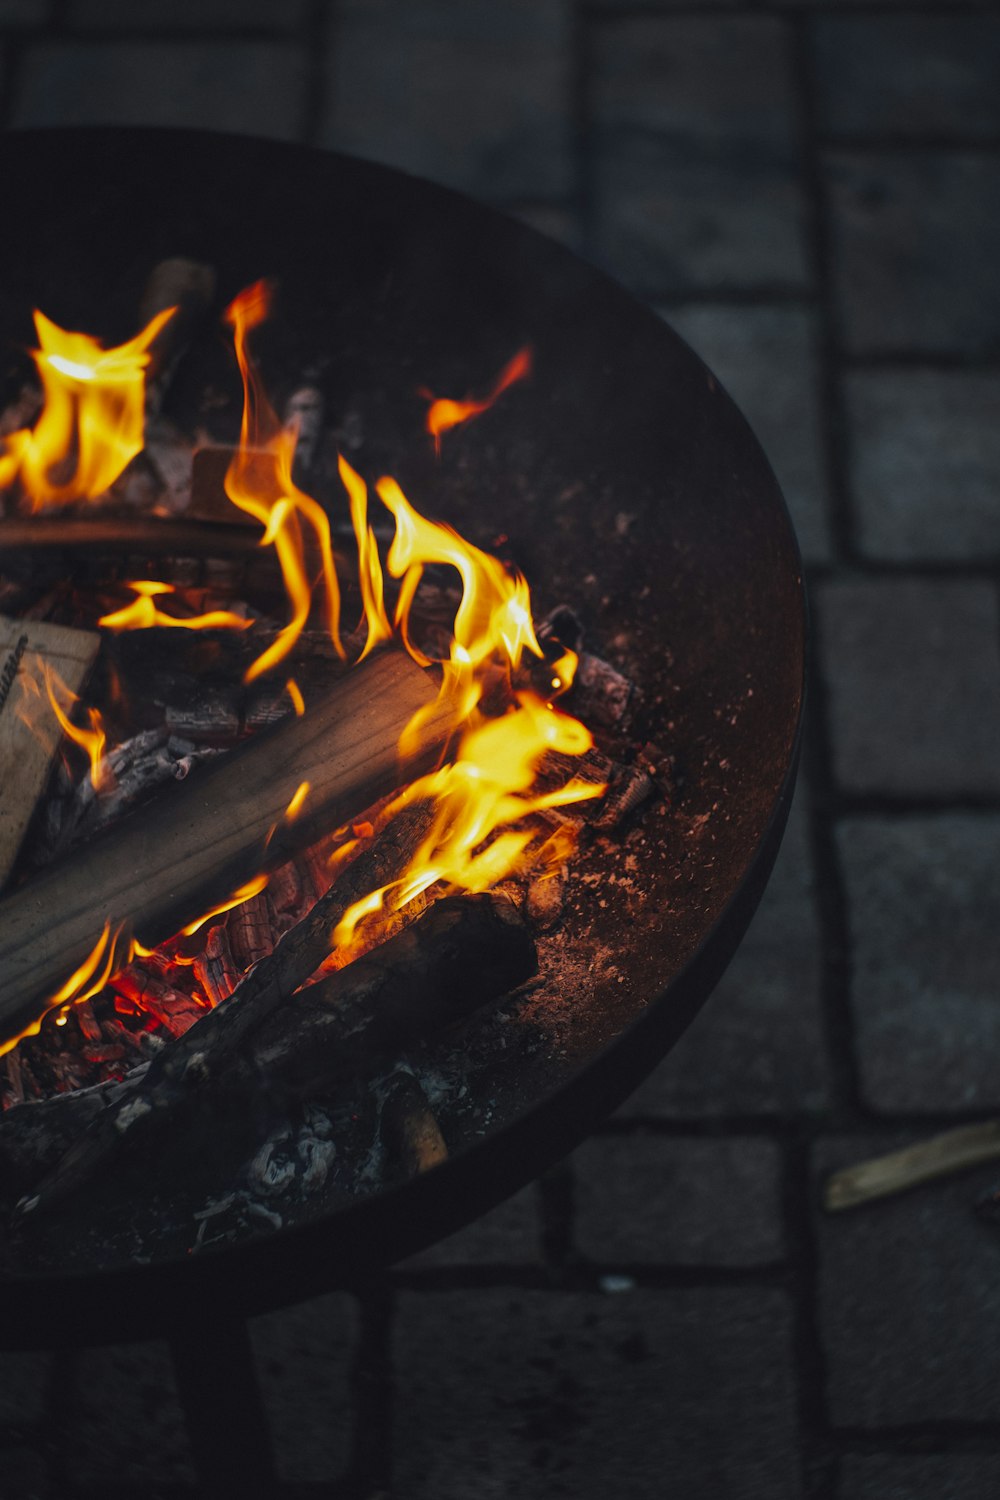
<point>809,191</point>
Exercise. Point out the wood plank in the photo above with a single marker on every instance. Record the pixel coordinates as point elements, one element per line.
<point>26,758</point>
<point>167,862</point>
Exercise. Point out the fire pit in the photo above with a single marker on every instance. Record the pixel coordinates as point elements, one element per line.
<point>609,467</point>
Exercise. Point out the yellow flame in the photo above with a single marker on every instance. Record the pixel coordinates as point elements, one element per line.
<point>477,800</point>
<point>87,980</point>
<point>298,797</point>
<point>142,613</point>
<point>369,563</point>
<point>243,893</point>
<point>92,414</point>
<point>295,693</point>
<point>91,740</point>
<point>259,481</point>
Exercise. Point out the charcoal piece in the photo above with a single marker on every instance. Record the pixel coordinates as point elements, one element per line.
<point>600,694</point>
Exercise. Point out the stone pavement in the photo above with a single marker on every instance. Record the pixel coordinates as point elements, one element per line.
<point>809,192</point>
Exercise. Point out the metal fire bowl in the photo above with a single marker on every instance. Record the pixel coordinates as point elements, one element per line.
<point>625,482</point>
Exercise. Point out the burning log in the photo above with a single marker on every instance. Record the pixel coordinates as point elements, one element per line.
<point>25,757</point>
<point>462,954</point>
<point>202,836</point>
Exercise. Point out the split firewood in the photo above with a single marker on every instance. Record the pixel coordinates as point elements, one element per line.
<point>408,1128</point>
<point>191,847</point>
<point>942,1155</point>
<point>464,953</point>
<point>26,751</point>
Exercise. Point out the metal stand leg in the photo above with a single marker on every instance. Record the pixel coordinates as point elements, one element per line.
<point>217,1384</point>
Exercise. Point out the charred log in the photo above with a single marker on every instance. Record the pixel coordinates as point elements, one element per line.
<point>464,953</point>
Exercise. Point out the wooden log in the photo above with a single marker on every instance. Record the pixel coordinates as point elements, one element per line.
<point>940,1156</point>
<point>190,848</point>
<point>25,757</point>
<point>147,535</point>
<point>195,1062</point>
<point>462,954</point>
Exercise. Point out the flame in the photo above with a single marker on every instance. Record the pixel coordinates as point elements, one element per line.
<point>478,799</point>
<point>91,740</point>
<point>444,413</point>
<point>298,798</point>
<point>87,980</point>
<point>259,481</point>
<point>369,565</point>
<point>243,893</point>
<point>483,799</point>
<point>142,613</point>
<point>92,415</point>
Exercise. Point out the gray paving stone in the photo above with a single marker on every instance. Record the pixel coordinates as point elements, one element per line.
<point>923,896</point>
<point>679,1202</point>
<point>478,97</point>
<point>930,1476</point>
<point>23,12</point>
<point>758,1046</point>
<point>535,1394</point>
<point>22,1386</point>
<point>695,156</point>
<point>916,243</point>
<point>256,87</point>
<point>766,358</point>
<point>913,672</point>
<point>909,75</point>
<point>305,1357</point>
<point>909,1301</point>
<point>510,1235</point>
<point>154,15</point>
<point>925,463</point>
<point>126,1418</point>
<point>24,1474</point>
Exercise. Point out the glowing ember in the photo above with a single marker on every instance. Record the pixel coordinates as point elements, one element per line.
<point>91,425</point>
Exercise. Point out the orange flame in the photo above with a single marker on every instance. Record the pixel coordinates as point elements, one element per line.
<point>444,413</point>
<point>485,790</point>
<point>369,564</point>
<point>142,613</point>
<point>484,796</point>
<point>243,893</point>
<point>259,481</point>
<point>91,740</point>
<point>92,414</point>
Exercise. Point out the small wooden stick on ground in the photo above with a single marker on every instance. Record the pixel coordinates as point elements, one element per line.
<point>942,1155</point>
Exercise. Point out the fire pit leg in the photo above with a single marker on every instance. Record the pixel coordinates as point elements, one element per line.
<point>226,1422</point>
